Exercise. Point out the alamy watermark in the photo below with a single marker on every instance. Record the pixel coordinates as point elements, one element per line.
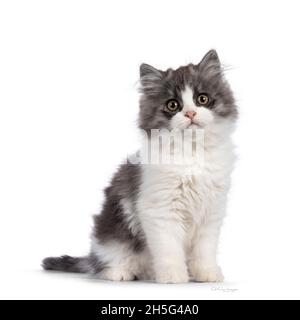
<point>176,147</point>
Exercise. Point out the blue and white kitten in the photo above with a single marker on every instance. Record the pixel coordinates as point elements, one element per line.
<point>162,222</point>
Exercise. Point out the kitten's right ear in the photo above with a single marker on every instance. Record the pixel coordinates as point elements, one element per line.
<point>150,80</point>
<point>148,71</point>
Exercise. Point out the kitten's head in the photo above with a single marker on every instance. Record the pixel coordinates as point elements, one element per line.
<point>193,96</point>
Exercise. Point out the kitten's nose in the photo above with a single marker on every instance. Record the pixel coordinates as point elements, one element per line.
<point>190,114</point>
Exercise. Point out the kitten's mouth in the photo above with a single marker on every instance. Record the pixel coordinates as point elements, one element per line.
<point>193,125</point>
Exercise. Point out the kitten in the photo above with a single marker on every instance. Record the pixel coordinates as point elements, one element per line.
<point>162,221</point>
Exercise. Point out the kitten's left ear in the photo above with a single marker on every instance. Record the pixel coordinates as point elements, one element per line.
<point>210,60</point>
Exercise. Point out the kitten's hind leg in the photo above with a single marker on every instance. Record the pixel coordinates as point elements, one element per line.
<point>116,274</point>
<point>120,261</point>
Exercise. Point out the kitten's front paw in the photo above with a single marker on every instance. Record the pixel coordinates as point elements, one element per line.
<point>171,275</point>
<point>208,274</point>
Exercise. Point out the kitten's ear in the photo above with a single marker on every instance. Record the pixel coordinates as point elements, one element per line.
<point>148,71</point>
<point>150,79</point>
<point>211,61</point>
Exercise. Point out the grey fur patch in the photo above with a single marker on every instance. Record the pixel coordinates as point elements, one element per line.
<point>111,224</point>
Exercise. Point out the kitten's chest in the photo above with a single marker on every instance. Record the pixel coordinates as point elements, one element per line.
<point>198,189</point>
<point>190,191</point>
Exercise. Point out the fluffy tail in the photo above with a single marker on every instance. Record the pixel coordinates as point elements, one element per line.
<point>68,264</point>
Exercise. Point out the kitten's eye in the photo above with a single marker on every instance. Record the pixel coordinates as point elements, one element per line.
<point>202,99</point>
<point>172,105</point>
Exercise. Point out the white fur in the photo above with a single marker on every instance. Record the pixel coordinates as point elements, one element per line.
<point>187,99</point>
<point>181,214</point>
<point>128,210</point>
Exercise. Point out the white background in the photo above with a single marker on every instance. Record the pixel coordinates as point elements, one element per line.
<point>68,72</point>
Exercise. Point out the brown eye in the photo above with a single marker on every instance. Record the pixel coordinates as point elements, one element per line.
<point>202,99</point>
<point>172,105</point>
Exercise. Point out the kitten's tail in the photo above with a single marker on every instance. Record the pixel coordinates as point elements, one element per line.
<point>68,264</point>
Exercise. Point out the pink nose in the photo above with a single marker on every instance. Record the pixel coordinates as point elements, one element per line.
<point>190,114</point>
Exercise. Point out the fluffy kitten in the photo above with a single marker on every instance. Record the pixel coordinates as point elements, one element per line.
<point>162,222</point>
